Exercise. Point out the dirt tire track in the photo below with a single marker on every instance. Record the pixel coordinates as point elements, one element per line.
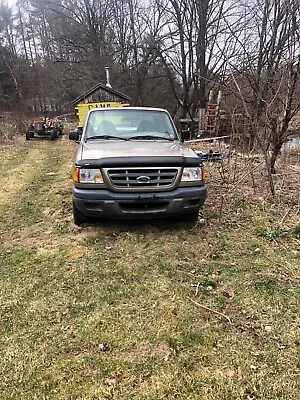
<point>43,170</point>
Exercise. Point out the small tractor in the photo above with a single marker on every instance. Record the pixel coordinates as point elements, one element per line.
<point>44,127</point>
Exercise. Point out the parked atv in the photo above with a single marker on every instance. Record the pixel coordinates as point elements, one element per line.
<point>44,127</point>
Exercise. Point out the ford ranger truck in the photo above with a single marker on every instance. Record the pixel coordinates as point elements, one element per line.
<point>130,163</point>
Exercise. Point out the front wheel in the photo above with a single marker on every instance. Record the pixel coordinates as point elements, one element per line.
<point>29,135</point>
<point>192,217</point>
<point>78,217</point>
<point>53,135</point>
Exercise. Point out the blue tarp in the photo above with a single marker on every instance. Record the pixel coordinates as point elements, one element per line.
<point>212,155</point>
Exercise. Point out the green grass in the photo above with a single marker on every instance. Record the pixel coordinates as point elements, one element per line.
<point>296,231</point>
<point>65,292</point>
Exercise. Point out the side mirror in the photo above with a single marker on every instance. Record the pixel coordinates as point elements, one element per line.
<point>185,135</point>
<point>74,135</point>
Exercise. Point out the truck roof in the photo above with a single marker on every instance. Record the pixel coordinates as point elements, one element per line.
<point>129,108</point>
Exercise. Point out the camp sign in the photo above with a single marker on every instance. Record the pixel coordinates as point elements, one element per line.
<point>83,109</point>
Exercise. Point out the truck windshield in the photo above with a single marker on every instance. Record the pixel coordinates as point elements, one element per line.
<point>129,124</point>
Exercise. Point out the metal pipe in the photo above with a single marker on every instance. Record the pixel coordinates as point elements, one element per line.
<point>107,77</point>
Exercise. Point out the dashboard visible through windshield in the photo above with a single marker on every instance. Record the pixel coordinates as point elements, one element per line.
<point>128,124</point>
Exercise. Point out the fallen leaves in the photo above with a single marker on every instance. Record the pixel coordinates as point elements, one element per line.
<point>238,373</point>
<point>230,294</point>
<point>268,328</point>
<point>103,347</point>
<point>110,381</point>
<point>231,373</point>
<point>253,367</point>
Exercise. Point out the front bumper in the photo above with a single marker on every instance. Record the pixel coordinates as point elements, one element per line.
<point>46,132</point>
<point>103,203</point>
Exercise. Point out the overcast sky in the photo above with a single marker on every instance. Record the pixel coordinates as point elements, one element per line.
<point>9,2</point>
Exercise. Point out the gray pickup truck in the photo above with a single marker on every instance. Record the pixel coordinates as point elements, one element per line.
<point>131,163</point>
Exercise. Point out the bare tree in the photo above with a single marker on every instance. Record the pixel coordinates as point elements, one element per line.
<point>267,75</point>
<point>9,51</point>
<point>197,46</point>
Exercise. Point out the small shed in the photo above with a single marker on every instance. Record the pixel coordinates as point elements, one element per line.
<point>98,96</point>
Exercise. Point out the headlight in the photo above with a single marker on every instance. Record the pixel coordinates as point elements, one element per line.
<point>191,174</point>
<point>87,175</point>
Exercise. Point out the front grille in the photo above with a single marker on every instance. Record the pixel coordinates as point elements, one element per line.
<point>38,127</point>
<point>142,178</point>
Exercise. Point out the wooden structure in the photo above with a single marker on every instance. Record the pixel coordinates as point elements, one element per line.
<point>98,96</point>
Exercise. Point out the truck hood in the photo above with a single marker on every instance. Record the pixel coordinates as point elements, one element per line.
<point>105,149</point>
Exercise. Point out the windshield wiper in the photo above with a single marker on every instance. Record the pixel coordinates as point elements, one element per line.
<point>150,137</point>
<point>105,137</point>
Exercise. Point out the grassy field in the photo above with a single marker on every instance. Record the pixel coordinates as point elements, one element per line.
<point>153,310</point>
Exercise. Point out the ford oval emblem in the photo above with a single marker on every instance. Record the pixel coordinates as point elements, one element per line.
<point>143,179</point>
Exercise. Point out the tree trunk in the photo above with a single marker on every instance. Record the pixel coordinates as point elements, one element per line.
<point>274,154</point>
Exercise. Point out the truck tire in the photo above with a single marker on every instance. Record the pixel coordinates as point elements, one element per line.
<point>29,135</point>
<point>78,217</point>
<point>193,217</point>
<point>53,135</point>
